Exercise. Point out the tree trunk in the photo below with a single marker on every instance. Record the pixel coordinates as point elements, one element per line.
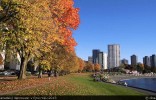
<point>22,74</point>
<point>40,72</point>
<point>6,65</point>
<point>55,73</point>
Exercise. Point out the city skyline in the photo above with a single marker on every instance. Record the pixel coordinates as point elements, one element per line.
<point>129,59</point>
<point>130,23</point>
<point>112,58</point>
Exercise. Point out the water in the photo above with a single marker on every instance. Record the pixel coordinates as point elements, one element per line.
<point>144,83</point>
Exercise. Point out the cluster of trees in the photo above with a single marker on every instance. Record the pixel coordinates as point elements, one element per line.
<point>139,67</point>
<point>42,30</point>
<point>89,67</point>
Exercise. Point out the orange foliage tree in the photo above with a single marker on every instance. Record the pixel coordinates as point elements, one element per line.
<point>89,67</point>
<point>97,67</point>
<point>81,65</point>
<point>66,18</point>
<point>39,29</point>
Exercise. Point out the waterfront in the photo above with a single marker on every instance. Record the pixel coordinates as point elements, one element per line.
<point>143,83</point>
<point>130,76</point>
<point>121,77</point>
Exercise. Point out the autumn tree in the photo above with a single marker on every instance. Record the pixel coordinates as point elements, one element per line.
<point>67,19</point>
<point>61,43</point>
<point>38,28</point>
<point>25,34</point>
<point>97,67</point>
<point>81,65</point>
<point>89,67</point>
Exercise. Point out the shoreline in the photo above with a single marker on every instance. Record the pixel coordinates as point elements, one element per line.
<point>118,78</point>
<point>145,91</point>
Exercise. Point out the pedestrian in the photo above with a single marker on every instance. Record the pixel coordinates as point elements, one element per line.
<point>49,74</point>
<point>125,84</point>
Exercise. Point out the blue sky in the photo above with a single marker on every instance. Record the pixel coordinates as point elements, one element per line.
<point>130,23</point>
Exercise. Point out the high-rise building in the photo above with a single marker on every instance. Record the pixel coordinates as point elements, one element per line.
<point>95,56</point>
<point>134,60</point>
<point>153,60</point>
<point>146,61</point>
<point>150,60</point>
<point>90,59</point>
<point>100,59</point>
<point>124,61</point>
<point>104,60</point>
<point>113,55</point>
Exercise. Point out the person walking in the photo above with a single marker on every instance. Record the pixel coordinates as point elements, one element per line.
<point>125,84</point>
<point>49,74</point>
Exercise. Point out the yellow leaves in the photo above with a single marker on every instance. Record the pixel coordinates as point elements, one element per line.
<point>1,8</point>
<point>46,64</point>
<point>53,37</point>
<point>7,86</point>
<point>44,27</point>
<point>63,85</point>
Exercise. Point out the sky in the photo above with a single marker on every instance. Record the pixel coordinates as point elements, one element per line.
<point>130,23</point>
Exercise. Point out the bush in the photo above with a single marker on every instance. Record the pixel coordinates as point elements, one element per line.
<point>97,79</point>
<point>105,78</point>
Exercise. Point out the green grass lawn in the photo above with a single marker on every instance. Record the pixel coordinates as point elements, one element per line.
<point>77,84</point>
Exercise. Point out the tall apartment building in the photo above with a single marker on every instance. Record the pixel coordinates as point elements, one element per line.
<point>134,60</point>
<point>103,60</point>
<point>90,59</point>
<point>124,61</point>
<point>105,66</point>
<point>95,56</point>
<point>99,58</point>
<point>113,55</point>
<point>146,61</point>
<point>153,60</point>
